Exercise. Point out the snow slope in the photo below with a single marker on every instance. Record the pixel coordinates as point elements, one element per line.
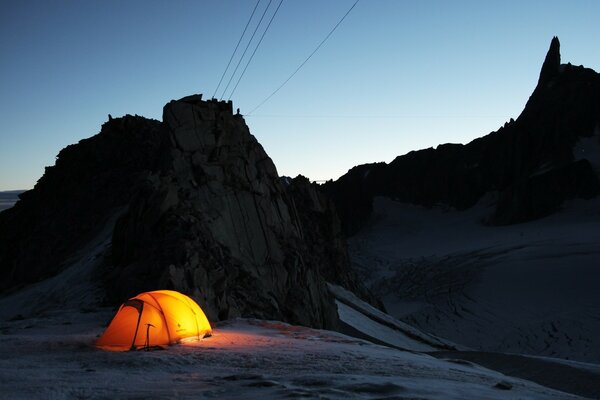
<point>53,357</point>
<point>75,288</point>
<point>528,288</point>
<point>47,333</point>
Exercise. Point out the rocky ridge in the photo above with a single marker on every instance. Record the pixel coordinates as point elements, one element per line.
<point>202,210</point>
<point>528,165</point>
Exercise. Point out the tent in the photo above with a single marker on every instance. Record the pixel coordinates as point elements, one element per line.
<point>151,319</point>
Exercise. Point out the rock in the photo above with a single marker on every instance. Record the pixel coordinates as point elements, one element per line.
<point>234,236</point>
<point>91,181</point>
<point>319,222</point>
<point>544,193</point>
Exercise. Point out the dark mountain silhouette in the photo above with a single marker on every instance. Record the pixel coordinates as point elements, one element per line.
<point>199,208</point>
<point>8,198</point>
<point>528,163</point>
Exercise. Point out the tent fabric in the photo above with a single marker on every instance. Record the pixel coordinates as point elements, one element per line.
<point>157,318</point>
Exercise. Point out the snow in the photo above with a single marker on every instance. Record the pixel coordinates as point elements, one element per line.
<point>73,288</point>
<point>593,368</point>
<point>381,333</point>
<point>527,288</point>
<point>382,327</point>
<point>48,330</point>
<point>54,357</point>
<point>569,376</point>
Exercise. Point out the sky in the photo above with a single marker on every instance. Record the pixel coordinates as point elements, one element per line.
<point>395,76</point>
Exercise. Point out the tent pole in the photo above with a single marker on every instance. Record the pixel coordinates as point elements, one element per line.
<point>137,326</point>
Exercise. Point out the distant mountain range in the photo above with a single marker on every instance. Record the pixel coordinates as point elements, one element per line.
<point>494,244</point>
<point>530,166</point>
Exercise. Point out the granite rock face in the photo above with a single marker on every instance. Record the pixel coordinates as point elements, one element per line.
<point>528,163</point>
<point>202,210</point>
<point>217,223</point>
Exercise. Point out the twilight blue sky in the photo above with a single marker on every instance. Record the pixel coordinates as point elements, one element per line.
<point>396,75</point>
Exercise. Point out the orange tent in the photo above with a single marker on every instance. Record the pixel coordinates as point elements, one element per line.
<point>156,318</point>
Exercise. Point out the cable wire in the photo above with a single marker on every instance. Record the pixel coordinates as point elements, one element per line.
<point>367,116</point>
<point>245,50</point>
<point>254,52</point>
<point>306,60</point>
<point>235,50</point>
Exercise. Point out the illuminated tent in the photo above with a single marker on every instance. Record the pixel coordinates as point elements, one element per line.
<point>152,319</point>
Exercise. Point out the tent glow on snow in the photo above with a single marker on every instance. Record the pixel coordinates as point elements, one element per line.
<point>157,318</point>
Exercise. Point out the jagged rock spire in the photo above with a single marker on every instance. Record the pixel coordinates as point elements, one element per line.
<point>552,62</point>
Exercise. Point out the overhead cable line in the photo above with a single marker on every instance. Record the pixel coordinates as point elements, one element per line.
<point>236,47</point>
<point>246,49</point>
<point>306,60</point>
<point>256,48</point>
<point>385,116</point>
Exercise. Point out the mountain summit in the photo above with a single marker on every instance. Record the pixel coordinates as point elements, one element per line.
<point>530,165</point>
<point>192,203</point>
<point>551,66</point>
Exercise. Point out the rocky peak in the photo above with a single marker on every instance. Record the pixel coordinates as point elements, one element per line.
<point>528,163</point>
<point>551,66</point>
<point>222,227</point>
<point>199,208</point>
